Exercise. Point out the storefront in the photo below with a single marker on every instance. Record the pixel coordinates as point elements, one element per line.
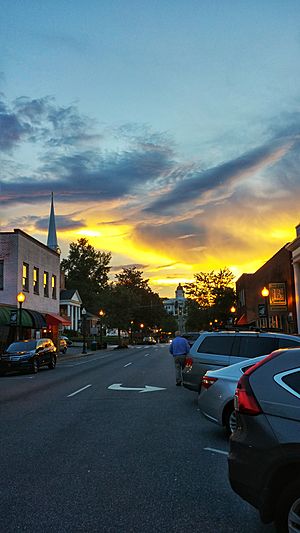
<point>19,324</point>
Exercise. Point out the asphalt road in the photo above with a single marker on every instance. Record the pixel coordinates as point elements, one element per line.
<point>79,456</point>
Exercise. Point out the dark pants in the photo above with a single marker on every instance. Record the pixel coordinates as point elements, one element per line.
<point>179,361</point>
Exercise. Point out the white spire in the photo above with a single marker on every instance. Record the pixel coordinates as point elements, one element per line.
<point>52,238</point>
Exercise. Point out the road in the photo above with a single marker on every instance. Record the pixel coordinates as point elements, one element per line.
<point>80,452</point>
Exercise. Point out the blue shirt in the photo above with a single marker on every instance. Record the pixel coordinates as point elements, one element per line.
<point>179,346</point>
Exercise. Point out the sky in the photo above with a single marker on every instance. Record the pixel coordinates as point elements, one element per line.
<point>168,131</point>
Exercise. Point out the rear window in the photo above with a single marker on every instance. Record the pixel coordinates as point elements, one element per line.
<point>217,345</point>
<point>293,381</point>
<point>255,346</point>
<point>288,343</point>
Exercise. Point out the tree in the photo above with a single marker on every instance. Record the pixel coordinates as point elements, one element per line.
<point>213,294</point>
<point>131,302</point>
<point>87,270</point>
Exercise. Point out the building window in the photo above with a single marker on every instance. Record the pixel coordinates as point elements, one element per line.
<point>25,277</point>
<point>1,275</point>
<point>242,297</point>
<point>53,286</point>
<point>46,284</point>
<point>36,281</point>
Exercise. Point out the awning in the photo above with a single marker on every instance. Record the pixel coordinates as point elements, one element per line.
<point>39,321</point>
<point>54,320</point>
<point>242,321</point>
<point>9,317</point>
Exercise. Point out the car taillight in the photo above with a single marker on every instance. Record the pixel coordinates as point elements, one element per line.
<point>208,381</point>
<point>245,401</point>
<point>188,361</point>
<point>244,398</point>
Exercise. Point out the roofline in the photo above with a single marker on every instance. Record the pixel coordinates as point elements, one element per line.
<point>32,239</point>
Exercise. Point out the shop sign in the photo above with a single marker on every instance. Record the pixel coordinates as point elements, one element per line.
<point>262,311</point>
<point>277,296</point>
<point>13,317</point>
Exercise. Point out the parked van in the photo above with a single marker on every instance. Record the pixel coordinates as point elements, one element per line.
<point>217,349</point>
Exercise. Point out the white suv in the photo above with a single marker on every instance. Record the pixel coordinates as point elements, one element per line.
<point>217,349</point>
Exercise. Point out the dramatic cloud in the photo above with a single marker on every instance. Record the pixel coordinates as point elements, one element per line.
<point>130,192</point>
<point>221,176</point>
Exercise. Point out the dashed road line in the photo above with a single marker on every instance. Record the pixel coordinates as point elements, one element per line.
<point>127,365</point>
<point>215,450</point>
<point>78,391</point>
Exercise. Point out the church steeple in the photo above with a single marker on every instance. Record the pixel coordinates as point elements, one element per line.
<point>52,238</point>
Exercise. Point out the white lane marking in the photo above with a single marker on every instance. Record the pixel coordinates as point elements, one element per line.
<point>146,354</point>
<point>147,388</point>
<point>79,390</point>
<point>216,451</point>
<point>127,365</point>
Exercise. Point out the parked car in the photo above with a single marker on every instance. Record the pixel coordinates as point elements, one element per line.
<point>28,355</point>
<point>63,346</point>
<point>68,341</point>
<point>149,340</point>
<point>264,458</point>
<point>191,336</point>
<point>217,393</point>
<point>217,349</point>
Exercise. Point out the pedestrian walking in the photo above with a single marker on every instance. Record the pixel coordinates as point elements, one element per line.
<point>179,348</point>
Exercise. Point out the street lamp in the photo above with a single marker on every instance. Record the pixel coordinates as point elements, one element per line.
<point>21,299</point>
<point>233,317</point>
<point>265,293</point>
<point>101,314</point>
<point>83,314</point>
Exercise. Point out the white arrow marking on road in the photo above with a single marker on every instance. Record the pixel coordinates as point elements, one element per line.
<point>147,388</point>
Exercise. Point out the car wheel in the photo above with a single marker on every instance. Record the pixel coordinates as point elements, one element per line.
<point>35,366</point>
<point>287,517</point>
<point>52,363</point>
<point>230,419</point>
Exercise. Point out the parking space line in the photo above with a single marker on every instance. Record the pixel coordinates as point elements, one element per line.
<point>215,450</point>
<point>79,390</point>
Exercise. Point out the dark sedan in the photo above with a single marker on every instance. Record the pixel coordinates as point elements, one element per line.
<point>28,355</point>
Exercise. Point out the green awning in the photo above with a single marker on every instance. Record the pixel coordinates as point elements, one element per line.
<point>8,317</point>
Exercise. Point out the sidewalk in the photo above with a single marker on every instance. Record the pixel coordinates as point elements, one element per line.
<point>75,352</point>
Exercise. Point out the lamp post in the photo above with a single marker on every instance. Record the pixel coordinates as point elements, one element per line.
<point>83,313</point>
<point>232,311</point>
<point>265,294</point>
<point>21,299</point>
<point>101,314</point>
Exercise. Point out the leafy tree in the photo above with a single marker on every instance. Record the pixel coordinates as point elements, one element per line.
<point>87,270</point>
<point>131,302</point>
<point>213,295</point>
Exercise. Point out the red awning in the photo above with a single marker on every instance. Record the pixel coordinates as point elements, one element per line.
<point>53,320</point>
<point>242,321</point>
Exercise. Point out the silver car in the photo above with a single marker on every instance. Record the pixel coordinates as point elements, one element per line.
<point>217,393</point>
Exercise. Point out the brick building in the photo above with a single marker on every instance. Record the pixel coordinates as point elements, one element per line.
<point>278,310</point>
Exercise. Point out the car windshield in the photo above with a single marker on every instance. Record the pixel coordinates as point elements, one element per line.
<point>21,346</point>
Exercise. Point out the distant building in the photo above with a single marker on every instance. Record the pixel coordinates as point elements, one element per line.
<point>70,307</point>
<point>177,307</point>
